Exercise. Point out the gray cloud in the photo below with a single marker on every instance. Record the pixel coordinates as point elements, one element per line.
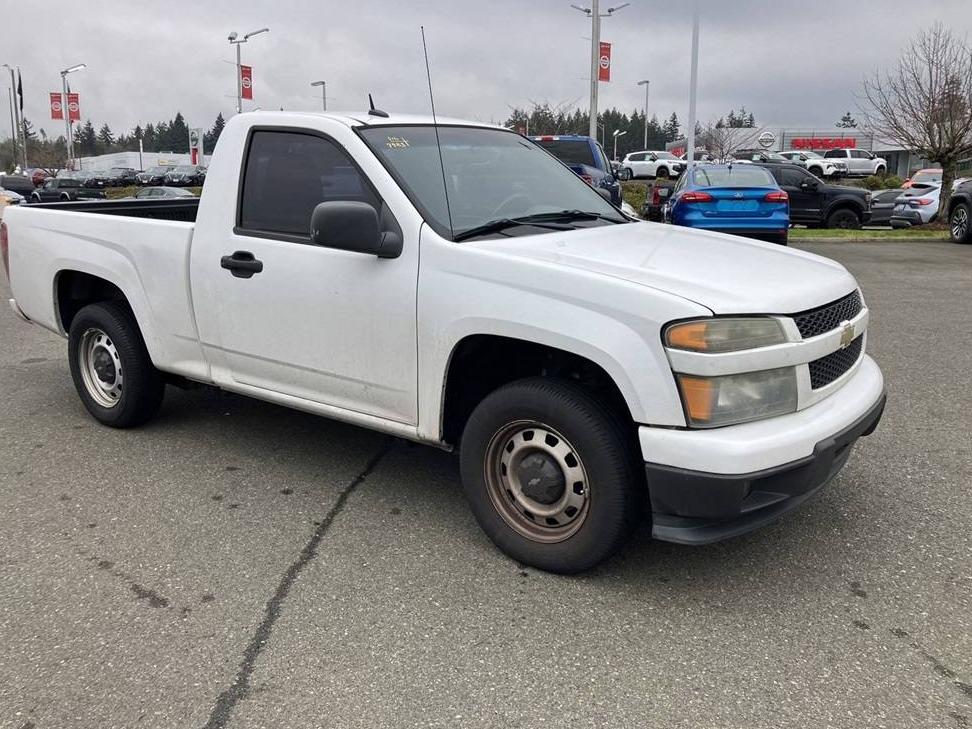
<point>789,62</point>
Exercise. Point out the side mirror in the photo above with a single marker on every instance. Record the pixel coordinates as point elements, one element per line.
<point>606,194</point>
<point>352,226</point>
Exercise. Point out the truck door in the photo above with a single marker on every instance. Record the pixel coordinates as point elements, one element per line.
<point>331,326</point>
<point>804,191</point>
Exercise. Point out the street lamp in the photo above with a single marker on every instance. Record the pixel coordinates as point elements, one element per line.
<point>69,132</point>
<point>235,40</point>
<point>323,85</point>
<point>595,15</point>
<point>645,84</point>
<point>15,127</point>
<point>617,133</point>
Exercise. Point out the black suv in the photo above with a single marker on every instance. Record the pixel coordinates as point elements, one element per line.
<point>960,213</point>
<point>816,204</point>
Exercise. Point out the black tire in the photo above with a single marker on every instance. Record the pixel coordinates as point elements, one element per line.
<point>612,488</point>
<point>880,171</point>
<point>844,218</point>
<point>662,173</point>
<point>960,223</point>
<point>121,351</point>
<point>818,171</point>
<point>782,239</point>
<point>626,173</point>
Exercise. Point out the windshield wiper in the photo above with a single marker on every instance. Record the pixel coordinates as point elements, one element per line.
<point>495,226</point>
<point>554,220</point>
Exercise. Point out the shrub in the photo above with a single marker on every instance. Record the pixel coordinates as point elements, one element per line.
<point>882,182</point>
<point>634,194</point>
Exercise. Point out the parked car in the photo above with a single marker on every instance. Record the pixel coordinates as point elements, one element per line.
<point>584,365</point>
<point>186,176</point>
<point>660,165</point>
<point>61,189</point>
<point>586,158</point>
<point>959,213</point>
<point>152,176</point>
<point>928,176</point>
<point>758,155</point>
<point>9,197</point>
<point>20,184</point>
<point>657,195</point>
<point>917,206</point>
<point>738,199</point>
<point>161,193</point>
<point>816,163</point>
<point>882,205</point>
<point>93,179</point>
<point>859,162</point>
<point>122,176</point>
<point>815,203</point>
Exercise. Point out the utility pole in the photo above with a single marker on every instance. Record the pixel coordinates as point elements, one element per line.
<point>13,126</point>
<point>645,84</point>
<point>594,13</point>
<point>15,118</point>
<point>68,127</point>
<point>693,85</point>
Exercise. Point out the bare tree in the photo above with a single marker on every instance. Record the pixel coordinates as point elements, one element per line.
<point>721,140</point>
<point>924,103</point>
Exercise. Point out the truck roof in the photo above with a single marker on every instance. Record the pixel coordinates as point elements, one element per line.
<point>362,118</point>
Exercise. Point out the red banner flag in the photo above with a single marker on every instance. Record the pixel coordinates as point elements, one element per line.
<point>604,62</point>
<point>57,111</point>
<point>246,82</point>
<point>74,107</point>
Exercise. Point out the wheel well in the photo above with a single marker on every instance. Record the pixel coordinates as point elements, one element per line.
<point>75,290</point>
<point>858,210</point>
<point>481,363</point>
<point>954,201</point>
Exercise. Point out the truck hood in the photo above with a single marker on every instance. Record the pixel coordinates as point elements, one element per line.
<point>727,274</point>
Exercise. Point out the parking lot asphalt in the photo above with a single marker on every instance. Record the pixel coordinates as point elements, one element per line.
<point>236,564</point>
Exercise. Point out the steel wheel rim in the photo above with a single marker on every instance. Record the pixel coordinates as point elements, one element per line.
<point>100,367</point>
<point>960,223</point>
<point>514,452</point>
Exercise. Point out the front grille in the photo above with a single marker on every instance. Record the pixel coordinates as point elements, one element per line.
<point>825,370</point>
<point>828,317</point>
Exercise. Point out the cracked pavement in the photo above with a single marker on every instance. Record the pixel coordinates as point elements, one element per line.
<point>237,564</point>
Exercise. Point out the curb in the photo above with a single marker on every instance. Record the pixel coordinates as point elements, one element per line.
<point>815,239</point>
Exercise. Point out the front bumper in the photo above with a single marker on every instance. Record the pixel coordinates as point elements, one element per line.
<point>709,485</point>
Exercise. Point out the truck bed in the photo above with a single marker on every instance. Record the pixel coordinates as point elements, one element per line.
<point>181,210</point>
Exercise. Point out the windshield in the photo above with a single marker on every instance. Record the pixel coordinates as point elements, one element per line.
<point>665,155</point>
<point>183,170</point>
<point>927,176</point>
<point>813,155</point>
<point>158,170</point>
<point>572,151</point>
<point>491,175</point>
<point>735,176</point>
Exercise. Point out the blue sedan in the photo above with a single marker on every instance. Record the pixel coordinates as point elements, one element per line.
<point>740,199</point>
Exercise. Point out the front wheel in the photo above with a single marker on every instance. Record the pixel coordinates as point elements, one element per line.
<point>662,173</point>
<point>844,219</point>
<point>111,367</point>
<point>552,475</point>
<point>626,174</point>
<point>958,223</point>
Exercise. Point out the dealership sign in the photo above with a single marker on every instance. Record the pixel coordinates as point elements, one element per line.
<point>823,142</point>
<point>74,107</point>
<point>195,146</point>
<point>57,110</point>
<point>766,140</point>
<point>246,82</point>
<point>604,63</point>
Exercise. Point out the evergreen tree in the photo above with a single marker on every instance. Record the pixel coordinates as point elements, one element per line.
<point>847,121</point>
<point>672,128</point>
<point>212,136</point>
<point>105,137</point>
<point>89,140</point>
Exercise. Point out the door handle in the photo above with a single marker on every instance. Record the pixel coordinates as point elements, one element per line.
<point>241,264</point>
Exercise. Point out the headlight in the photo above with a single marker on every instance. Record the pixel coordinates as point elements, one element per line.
<point>714,401</point>
<point>724,334</point>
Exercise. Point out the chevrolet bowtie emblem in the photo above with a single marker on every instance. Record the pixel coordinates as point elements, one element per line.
<point>847,335</point>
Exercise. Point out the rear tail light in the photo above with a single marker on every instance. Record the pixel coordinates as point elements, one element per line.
<point>588,179</point>
<point>655,196</point>
<point>5,249</point>
<point>696,197</point>
<point>921,201</point>
<point>777,196</point>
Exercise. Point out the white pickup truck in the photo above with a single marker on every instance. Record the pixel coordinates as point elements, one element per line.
<point>457,285</point>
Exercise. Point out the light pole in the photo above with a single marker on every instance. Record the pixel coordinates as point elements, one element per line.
<point>595,14</point>
<point>236,41</point>
<point>617,133</point>
<point>645,84</point>
<point>693,85</point>
<point>69,136</point>
<point>323,85</point>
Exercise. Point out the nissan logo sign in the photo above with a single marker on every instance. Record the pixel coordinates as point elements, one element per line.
<point>766,140</point>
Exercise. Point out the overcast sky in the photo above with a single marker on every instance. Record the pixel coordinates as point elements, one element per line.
<point>792,63</point>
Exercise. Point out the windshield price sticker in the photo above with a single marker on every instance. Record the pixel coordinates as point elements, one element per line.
<point>396,143</point>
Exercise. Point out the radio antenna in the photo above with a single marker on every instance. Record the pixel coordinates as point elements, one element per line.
<point>435,126</point>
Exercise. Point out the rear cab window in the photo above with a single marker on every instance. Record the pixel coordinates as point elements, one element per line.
<point>571,151</point>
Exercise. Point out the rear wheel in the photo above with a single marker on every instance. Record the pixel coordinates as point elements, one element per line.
<point>111,368</point>
<point>552,475</point>
<point>959,223</point>
<point>781,239</point>
<point>845,219</point>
